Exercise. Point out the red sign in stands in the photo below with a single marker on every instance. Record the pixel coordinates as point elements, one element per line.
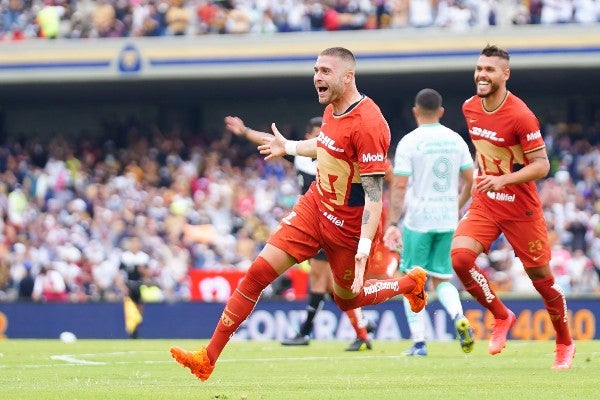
<point>217,285</point>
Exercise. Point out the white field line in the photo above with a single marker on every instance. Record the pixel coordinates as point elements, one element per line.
<point>79,360</point>
<point>74,360</point>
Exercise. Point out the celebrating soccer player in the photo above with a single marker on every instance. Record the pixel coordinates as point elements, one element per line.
<point>511,156</point>
<point>340,213</point>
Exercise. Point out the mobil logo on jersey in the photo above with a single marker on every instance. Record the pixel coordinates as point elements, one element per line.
<point>534,135</point>
<point>368,157</point>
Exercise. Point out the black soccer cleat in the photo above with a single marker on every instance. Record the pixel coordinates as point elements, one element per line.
<point>297,340</point>
<point>359,345</point>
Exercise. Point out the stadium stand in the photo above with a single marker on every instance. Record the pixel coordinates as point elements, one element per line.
<point>51,19</point>
<point>69,206</point>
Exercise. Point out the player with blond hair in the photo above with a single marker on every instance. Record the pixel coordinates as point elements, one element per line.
<point>341,213</point>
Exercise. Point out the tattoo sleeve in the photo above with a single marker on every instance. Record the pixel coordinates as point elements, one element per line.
<point>373,187</point>
<point>366,217</point>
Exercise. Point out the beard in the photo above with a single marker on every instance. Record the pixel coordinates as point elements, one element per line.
<point>493,89</point>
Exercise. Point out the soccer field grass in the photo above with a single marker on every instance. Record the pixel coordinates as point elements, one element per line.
<point>143,369</point>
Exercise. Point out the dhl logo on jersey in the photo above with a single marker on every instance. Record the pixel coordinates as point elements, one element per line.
<point>328,142</point>
<point>486,134</point>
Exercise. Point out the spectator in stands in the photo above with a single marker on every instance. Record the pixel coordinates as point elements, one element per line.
<point>26,285</point>
<point>237,21</point>
<point>455,16</point>
<point>5,277</point>
<point>17,206</point>
<point>178,18</point>
<point>586,11</point>
<point>211,17</point>
<point>581,272</point>
<point>119,18</point>
<point>595,253</point>
<point>105,20</point>
<point>266,24</point>
<point>49,286</point>
<point>421,13</point>
<point>535,11</point>
<point>12,19</point>
<point>340,15</point>
<point>556,11</point>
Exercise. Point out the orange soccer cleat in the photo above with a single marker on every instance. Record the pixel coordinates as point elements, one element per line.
<point>196,361</point>
<point>501,328</point>
<point>417,298</point>
<point>564,356</point>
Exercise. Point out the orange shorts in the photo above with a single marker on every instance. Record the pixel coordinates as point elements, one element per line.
<point>529,239</point>
<point>305,230</point>
<point>383,263</point>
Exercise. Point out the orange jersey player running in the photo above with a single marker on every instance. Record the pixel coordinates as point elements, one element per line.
<point>511,155</point>
<point>340,213</point>
<point>320,280</point>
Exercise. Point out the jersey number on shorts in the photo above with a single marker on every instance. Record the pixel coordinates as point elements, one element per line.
<point>535,246</point>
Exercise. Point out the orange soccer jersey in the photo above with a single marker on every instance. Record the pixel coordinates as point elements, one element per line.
<point>349,145</point>
<point>329,215</point>
<point>502,138</point>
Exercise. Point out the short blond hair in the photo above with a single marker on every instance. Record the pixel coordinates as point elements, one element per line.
<point>341,53</point>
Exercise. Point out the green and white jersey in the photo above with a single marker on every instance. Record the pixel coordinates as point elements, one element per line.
<point>433,157</point>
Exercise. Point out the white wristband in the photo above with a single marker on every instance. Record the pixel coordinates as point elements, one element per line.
<point>291,147</point>
<point>364,246</point>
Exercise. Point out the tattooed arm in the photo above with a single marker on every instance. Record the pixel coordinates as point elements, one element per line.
<point>373,187</point>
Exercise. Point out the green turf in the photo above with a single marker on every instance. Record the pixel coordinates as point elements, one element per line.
<point>143,369</point>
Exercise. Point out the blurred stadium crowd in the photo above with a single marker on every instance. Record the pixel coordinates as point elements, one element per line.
<point>24,19</point>
<point>69,211</point>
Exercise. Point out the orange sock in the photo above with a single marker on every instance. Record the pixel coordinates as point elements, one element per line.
<point>556,304</point>
<point>476,283</point>
<point>240,305</point>
<point>356,319</point>
<point>377,291</point>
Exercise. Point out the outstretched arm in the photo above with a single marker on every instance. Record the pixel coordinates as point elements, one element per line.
<point>278,146</point>
<point>237,127</point>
